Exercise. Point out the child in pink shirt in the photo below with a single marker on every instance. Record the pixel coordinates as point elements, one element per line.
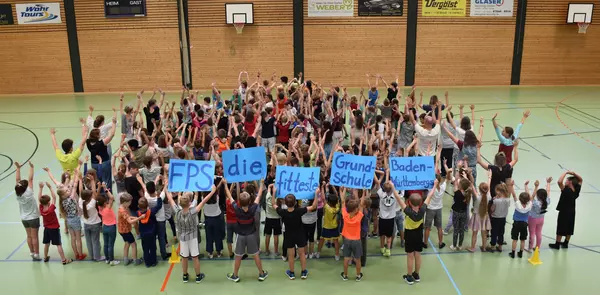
<point>109,227</point>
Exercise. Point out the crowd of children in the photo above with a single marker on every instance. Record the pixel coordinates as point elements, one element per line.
<point>300,123</point>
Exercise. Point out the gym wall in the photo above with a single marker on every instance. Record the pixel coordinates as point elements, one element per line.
<point>465,50</point>
<point>34,58</point>
<point>219,53</point>
<point>129,54</point>
<point>554,53</point>
<point>341,50</point>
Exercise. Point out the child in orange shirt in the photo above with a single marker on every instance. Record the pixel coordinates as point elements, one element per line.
<point>124,222</point>
<point>352,215</point>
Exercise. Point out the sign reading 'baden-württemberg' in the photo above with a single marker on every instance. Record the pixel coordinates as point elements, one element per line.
<point>380,7</point>
<point>330,8</point>
<point>492,8</point>
<point>38,13</point>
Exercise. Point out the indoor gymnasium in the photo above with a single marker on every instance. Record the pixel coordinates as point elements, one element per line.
<point>303,146</point>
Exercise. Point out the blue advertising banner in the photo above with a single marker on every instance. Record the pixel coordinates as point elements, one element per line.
<point>412,173</point>
<point>299,181</point>
<point>241,165</point>
<point>191,176</point>
<point>353,171</point>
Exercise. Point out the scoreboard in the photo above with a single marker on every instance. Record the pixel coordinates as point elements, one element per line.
<point>124,8</point>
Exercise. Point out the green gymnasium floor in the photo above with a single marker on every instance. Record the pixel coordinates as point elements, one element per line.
<point>561,133</point>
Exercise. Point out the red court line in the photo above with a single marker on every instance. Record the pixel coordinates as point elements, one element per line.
<point>168,275</point>
<point>567,126</point>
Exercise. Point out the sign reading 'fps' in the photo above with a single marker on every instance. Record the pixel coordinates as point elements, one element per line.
<point>441,4</point>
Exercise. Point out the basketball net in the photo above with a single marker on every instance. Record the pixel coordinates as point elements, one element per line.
<point>239,27</point>
<point>583,27</point>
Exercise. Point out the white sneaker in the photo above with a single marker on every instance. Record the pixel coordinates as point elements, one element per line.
<point>317,255</point>
<point>107,261</point>
<point>283,258</point>
<point>337,258</point>
<point>115,262</point>
<point>210,256</point>
<point>446,233</point>
<point>452,248</point>
<point>311,256</point>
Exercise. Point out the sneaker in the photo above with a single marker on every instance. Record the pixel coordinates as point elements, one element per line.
<point>138,237</point>
<point>317,255</point>
<point>499,249</point>
<point>106,261</point>
<point>219,254</point>
<point>36,257</point>
<point>290,274</point>
<point>408,279</point>
<point>359,277</point>
<point>441,245</point>
<point>520,254</point>
<point>328,244</point>
<point>344,277</point>
<point>127,262</point>
<point>200,278</point>
<point>512,254</point>
<point>277,254</point>
<point>342,247</point>
<point>555,246</point>
<point>388,253</point>
<point>452,248</point>
<point>565,245</point>
<point>47,258</point>
<point>446,233</point>
<point>233,277</point>
<point>210,256</point>
<point>267,253</point>
<point>382,251</point>
<point>402,244</point>
<point>263,276</point>
<point>283,258</point>
<point>424,245</point>
<point>374,235</point>
<point>311,256</point>
<point>186,277</point>
<point>138,262</point>
<point>398,234</point>
<point>416,276</point>
<point>337,257</point>
<point>528,250</point>
<point>304,274</point>
<point>115,262</point>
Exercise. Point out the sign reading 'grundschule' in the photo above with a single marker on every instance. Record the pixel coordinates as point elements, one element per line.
<point>444,8</point>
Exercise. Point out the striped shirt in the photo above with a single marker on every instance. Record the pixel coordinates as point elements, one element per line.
<point>186,223</point>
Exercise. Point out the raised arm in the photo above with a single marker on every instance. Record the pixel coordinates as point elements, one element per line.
<point>480,160</point>
<point>516,157</point>
<point>53,137</point>
<point>203,202</point>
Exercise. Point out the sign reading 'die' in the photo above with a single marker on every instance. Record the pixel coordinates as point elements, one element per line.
<point>298,181</point>
<point>243,165</point>
<point>124,8</point>
<point>191,176</point>
<point>412,173</point>
<point>353,171</point>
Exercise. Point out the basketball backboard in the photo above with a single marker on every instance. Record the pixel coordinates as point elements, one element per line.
<point>239,13</point>
<point>580,13</point>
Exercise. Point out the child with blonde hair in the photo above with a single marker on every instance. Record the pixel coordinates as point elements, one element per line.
<point>480,220</point>
<point>124,222</point>
<point>499,211</point>
<point>68,210</point>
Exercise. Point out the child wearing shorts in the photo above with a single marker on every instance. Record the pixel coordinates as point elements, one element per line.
<point>51,224</point>
<point>413,231</point>
<point>330,225</point>
<point>124,222</point>
<point>520,218</point>
<point>272,225</point>
<point>352,214</point>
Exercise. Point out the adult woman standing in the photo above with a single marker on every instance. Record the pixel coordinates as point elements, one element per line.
<point>30,213</point>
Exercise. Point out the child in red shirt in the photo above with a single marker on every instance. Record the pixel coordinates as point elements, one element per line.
<point>231,221</point>
<point>51,224</point>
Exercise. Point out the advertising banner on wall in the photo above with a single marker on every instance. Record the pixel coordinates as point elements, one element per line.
<point>318,8</point>
<point>38,13</point>
<point>444,8</point>
<point>492,8</point>
<point>6,17</point>
<point>380,7</point>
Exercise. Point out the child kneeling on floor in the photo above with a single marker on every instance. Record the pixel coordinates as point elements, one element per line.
<point>413,231</point>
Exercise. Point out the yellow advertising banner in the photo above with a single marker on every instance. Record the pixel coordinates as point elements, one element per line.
<point>444,8</point>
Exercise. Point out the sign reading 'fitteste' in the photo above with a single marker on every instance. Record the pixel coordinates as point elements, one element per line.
<point>298,181</point>
<point>353,171</point>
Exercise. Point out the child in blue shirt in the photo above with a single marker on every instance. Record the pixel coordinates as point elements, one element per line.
<point>148,225</point>
<point>520,217</point>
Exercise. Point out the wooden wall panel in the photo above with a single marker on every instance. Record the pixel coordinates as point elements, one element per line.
<point>125,54</point>
<point>341,50</point>
<point>464,50</point>
<point>34,58</point>
<point>554,53</point>
<point>219,53</point>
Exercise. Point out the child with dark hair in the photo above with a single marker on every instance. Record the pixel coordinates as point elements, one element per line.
<point>565,224</point>
<point>152,196</point>
<point>109,226</point>
<point>51,224</point>
<point>29,210</point>
<point>352,214</point>
<point>508,135</point>
<point>272,223</point>
<point>294,235</point>
<point>520,217</point>
<point>124,222</point>
<point>148,229</point>
<point>330,232</point>
<point>541,200</point>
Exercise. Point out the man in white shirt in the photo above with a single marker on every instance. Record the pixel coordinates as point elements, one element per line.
<point>427,134</point>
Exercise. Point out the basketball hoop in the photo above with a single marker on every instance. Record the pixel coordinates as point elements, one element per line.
<point>239,27</point>
<point>583,27</point>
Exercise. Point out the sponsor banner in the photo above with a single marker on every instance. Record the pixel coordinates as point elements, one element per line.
<point>318,8</point>
<point>38,13</point>
<point>492,8</point>
<point>380,7</point>
<point>444,8</point>
<point>6,16</point>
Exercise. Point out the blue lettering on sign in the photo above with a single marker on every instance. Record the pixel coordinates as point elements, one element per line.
<point>492,2</point>
<point>353,171</point>
<point>241,165</point>
<point>412,173</point>
<point>298,181</point>
<point>191,176</point>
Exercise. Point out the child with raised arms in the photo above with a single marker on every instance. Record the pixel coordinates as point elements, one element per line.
<point>51,224</point>
<point>294,235</point>
<point>413,231</point>
<point>565,224</point>
<point>541,200</point>
<point>520,217</point>
<point>29,210</point>
<point>352,214</point>
<point>124,222</point>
